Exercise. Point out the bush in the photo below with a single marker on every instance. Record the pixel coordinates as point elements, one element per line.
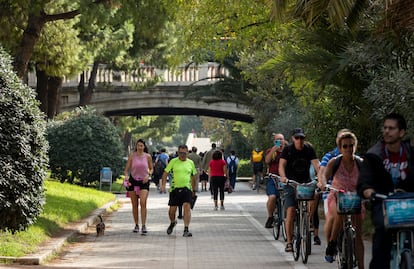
<point>23,151</point>
<point>81,145</point>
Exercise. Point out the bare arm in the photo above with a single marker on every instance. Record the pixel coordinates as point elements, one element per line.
<point>282,171</point>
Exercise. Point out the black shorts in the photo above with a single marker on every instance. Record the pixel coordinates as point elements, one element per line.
<point>179,196</point>
<point>142,186</point>
<point>257,168</point>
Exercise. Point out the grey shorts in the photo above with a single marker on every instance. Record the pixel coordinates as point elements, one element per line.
<point>290,196</point>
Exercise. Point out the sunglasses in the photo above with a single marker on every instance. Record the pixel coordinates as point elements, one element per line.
<point>299,137</point>
<point>345,146</point>
<point>182,153</point>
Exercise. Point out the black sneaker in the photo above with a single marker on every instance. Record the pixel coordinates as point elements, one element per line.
<point>171,227</point>
<point>136,229</point>
<point>269,223</point>
<point>330,251</point>
<point>187,234</point>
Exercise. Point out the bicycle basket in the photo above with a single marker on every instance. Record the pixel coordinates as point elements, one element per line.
<point>348,203</point>
<point>398,213</point>
<point>305,192</point>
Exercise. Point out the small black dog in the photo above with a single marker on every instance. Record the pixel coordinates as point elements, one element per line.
<point>100,227</point>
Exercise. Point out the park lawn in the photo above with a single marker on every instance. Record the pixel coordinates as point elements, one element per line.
<point>65,203</point>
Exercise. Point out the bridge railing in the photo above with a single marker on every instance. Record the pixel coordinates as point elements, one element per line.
<point>184,75</point>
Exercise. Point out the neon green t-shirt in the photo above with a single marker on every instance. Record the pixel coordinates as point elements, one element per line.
<point>181,173</point>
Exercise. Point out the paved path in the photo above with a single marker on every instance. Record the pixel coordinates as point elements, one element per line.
<point>233,238</point>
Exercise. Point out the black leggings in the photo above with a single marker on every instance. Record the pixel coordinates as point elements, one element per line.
<point>218,185</point>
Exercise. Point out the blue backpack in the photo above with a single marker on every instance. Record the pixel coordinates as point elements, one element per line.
<point>232,167</point>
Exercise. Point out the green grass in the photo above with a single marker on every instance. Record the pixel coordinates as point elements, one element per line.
<point>65,203</point>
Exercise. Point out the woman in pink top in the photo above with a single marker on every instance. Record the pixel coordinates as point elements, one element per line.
<point>345,178</point>
<point>137,174</point>
<point>217,171</point>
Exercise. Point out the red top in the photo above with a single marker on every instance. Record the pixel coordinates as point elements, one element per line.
<point>216,168</point>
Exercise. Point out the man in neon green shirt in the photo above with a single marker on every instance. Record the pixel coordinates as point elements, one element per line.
<point>181,189</point>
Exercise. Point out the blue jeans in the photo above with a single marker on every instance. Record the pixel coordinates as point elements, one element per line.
<point>232,178</point>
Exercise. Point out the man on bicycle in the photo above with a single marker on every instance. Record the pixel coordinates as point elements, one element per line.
<point>294,164</point>
<point>272,160</point>
<point>388,166</point>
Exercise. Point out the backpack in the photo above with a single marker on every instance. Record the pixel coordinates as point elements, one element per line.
<point>338,162</point>
<point>257,156</point>
<point>159,168</point>
<point>232,165</point>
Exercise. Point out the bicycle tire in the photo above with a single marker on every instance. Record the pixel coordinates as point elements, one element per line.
<point>257,183</point>
<point>283,219</point>
<point>277,220</point>
<point>406,260</point>
<point>348,249</point>
<point>304,237</point>
<point>296,239</point>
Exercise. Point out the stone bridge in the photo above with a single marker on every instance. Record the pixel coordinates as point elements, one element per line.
<point>115,93</point>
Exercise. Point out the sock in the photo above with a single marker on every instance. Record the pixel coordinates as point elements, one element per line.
<point>186,229</point>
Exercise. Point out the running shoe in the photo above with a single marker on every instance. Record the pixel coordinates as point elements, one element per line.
<point>187,234</point>
<point>171,227</point>
<point>136,229</point>
<point>144,229</point>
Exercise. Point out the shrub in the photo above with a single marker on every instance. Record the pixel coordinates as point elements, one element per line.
<point>81,145</point>
<point>23,151</point>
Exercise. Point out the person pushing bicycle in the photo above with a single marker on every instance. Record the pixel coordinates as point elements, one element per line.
<point>294,163</point>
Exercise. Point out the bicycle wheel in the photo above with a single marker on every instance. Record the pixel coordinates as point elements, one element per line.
<point>277,219</point>
<point>257,183</point>
<point>348,248</point>
<point>296,238</point>
<point>283,218</point>
<point>406,260</point>
<point>305,237</point>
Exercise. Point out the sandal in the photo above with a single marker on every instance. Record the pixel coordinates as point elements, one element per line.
<point>289,247</point>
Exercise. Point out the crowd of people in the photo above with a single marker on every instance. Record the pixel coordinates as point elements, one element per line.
<point>385,168</point>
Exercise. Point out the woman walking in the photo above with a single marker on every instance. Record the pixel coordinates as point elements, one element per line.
<point>137,174</point>
<point>217,172</point>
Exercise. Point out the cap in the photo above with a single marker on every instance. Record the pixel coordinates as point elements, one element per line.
<point>298,132</point>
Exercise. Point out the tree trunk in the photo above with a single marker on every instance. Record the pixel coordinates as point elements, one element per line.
<point>85,95</point>
<point>41,89</point>
<point>31,34</point>
<point>54,86</point>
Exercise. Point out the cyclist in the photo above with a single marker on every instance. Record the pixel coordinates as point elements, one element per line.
<point>272,160</point>
<point>387,166</point>
<point>257,161</point>
<point>324,162</point>
<point>345,178</point>
<point>295,163</point>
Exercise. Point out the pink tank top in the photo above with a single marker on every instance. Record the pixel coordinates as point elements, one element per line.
<point>139,166</point>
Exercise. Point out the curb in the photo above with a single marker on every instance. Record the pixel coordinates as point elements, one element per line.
<point>52,246</point>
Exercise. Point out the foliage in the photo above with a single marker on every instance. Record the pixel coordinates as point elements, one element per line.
<point>65,203</point>
<point>23,151</point>
<point>81,145</point>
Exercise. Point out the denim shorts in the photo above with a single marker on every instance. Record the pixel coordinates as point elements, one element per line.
<point>271,188</point>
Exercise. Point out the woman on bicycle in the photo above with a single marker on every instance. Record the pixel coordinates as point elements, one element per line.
<point>345,178</point>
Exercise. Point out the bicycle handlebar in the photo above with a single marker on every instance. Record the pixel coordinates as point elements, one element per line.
<point>290,181</point>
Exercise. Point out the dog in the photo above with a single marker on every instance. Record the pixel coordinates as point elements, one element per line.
<point>100,227</point>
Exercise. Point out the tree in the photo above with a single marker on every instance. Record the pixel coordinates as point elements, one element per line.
<point>23,151</point>
<point>81,145</point>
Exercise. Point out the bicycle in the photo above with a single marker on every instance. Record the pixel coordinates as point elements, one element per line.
<point>301,234</point>
<point>279,214</point>
<point>348,204</point>
<point>398,212</point>
<point>258,180</point>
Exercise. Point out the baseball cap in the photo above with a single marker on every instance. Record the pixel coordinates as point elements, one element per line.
<point>298,132</point>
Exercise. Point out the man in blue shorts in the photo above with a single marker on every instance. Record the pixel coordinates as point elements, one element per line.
<point>272,158</point>
<point>181,189</point>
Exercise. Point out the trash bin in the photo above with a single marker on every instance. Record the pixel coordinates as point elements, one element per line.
<point>106,177</point>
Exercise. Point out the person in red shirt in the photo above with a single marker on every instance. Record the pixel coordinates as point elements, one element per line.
<point>272,160</point>
<point>217,171</point>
